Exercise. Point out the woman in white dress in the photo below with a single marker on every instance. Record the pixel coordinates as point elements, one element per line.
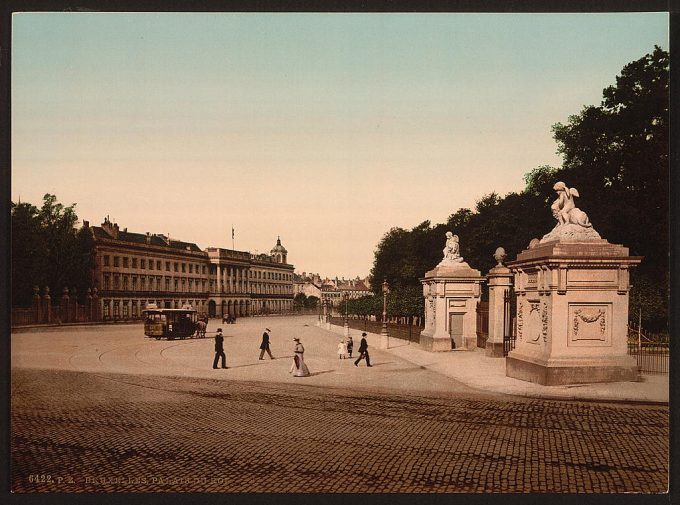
<point>299,369</point>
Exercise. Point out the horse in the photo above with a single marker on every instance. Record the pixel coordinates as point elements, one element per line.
<point>200,329</point>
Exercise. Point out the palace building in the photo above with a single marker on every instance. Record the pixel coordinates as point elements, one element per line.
<point>136,269</point>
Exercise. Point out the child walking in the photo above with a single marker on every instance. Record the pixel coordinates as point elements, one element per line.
<point>342,350</point>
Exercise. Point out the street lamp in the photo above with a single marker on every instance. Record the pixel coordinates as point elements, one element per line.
<point>384,336</point>
<point>326,314</point>
<point>346,325</point>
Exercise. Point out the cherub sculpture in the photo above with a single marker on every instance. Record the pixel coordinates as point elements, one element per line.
<point>564,209</point>
<point>452,249</point>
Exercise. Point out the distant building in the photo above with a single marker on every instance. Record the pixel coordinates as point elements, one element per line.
<point>307,284</point>
<point>331,290</point>
<point>354,288</point>
<point>135,269</point>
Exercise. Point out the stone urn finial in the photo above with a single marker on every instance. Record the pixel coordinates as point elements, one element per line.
<point>499,256</point>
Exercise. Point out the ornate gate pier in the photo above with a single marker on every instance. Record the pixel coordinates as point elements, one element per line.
<point>572,304</point>
<point>451,291</point>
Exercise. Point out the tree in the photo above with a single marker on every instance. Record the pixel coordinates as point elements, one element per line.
<point>29,263</point>
<point>616,154</point>
<point>47,250</point>
<point>300,301</point>
<point>312,302</point>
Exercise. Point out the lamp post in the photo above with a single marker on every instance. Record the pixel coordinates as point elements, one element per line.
<point>346,325</point>
<point>327,311</point>
<point>384,336</point>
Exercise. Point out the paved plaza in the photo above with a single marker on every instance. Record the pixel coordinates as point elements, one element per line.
<point>106,409</point>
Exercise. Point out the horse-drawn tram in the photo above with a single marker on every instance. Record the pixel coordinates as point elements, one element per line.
<point>170,323</point>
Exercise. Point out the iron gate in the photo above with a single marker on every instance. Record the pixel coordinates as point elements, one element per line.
<point>509,312</point>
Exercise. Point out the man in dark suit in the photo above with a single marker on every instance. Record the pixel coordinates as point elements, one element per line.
<point>363,351</point>
<point>264,346</point>
<point>219,349</point>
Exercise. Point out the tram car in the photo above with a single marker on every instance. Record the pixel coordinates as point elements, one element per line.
<point>170,323</point>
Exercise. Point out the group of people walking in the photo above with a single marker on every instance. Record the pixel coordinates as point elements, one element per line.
<point>298,368</point>
<point>345,348</point>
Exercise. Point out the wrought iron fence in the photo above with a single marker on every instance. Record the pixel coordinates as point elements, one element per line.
<point>409,332</point>
<point>651,351</point>
<point>651,358</point>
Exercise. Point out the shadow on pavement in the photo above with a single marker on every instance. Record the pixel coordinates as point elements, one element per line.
<point>321,372</point>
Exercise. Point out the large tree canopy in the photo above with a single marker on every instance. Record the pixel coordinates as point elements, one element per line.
<point>48,250</point>
<point>615,154</point>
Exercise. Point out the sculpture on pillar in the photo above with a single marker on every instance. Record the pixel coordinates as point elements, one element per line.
<point>564,209</point>
<point>572,222</point>
<point>452,249</point>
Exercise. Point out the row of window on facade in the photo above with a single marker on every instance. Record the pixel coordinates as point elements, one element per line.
<point>274,276</point>
<point>176,266</point>
<point>134,308</point>
<point>153,264</point>
<point>154,284</point>
<point>194,285</point>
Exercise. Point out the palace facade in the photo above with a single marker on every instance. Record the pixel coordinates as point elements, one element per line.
<point>135,269</point>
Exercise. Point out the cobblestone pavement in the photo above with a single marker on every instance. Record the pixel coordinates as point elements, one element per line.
<point>78,432</point>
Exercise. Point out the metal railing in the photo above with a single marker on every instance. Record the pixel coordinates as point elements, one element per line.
<point>509,324</point>
<point>651,351</point>
<point>408,332</point>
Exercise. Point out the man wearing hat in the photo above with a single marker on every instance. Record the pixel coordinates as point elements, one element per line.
<point>219,349</point>
<point>363,351</point>
<point>264,346</point>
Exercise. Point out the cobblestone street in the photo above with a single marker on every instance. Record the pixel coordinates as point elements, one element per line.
<point>76,432</point>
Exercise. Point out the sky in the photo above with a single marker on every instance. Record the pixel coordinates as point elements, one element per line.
<point>324,129</point>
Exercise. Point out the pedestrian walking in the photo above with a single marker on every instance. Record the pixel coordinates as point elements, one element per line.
<point>342,350</point>
<point>350,345</point>
<point>264,346</point>
<point>299,368</point>
<point>363,351</point>
<point>219,349</point>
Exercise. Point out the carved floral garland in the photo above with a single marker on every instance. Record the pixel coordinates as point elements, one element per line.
<point>589,318</point>
<point>544,320</point>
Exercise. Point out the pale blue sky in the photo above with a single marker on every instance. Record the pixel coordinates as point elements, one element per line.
<point>326,129</point>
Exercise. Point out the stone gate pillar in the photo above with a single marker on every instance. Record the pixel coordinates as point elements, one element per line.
<point>74,305</point>
<point>500,283</point>
<point>572,304</point>
<point>65,306</point>
<point>451,291</point>
<point>47,305</point>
